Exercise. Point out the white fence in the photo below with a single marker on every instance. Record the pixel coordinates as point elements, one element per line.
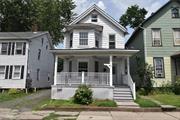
<point>77,78</point>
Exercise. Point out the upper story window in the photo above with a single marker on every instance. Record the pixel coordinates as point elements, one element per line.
<point>94,18</point>
<point>156,37</point>
<point>39,54</point>
<point>4,49</point>
<point>175,12</point>
<point>11,48</point>
<point>112,41</point>
<point>97,40</point>
<point>71,40</point>
<point>159,67</point>
<point>177,36</point>
<point>83,38</point>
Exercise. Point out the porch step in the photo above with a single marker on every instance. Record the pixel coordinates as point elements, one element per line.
<point>122,94</point>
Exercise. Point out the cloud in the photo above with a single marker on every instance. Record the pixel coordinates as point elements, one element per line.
<point>101,5</point>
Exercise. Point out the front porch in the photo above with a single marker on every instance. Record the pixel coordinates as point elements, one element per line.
<point>102,71</point>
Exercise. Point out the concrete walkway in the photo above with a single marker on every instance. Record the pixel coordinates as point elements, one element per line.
<point>27,103</point>
<point>9,114</point>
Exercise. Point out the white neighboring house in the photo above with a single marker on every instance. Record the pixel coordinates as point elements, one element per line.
<point>25,60</point>
<point>94,53</point>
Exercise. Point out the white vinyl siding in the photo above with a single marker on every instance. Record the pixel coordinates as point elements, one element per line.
<point>159,67</point>
<point>177,36</point>
<point>156,37</point>
<point>83,38</point>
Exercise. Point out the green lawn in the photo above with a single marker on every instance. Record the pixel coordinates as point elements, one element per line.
<point>6,97</point>
<point>70,103</point>
<point>145,102</point>
<point>169,99</point>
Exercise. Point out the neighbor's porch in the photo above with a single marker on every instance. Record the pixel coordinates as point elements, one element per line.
<point>176,66</point>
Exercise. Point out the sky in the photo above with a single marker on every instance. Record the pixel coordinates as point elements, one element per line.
<point>116,8</point>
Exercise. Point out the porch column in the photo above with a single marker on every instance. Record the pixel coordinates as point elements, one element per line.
<point>128,69</point>
<point>55,69</point>
<point>111,70</point>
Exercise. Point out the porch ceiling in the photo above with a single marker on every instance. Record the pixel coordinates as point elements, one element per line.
<point>176,55</point>
<point>94,52</point>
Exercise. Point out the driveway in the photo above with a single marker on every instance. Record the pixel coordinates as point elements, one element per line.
<point>27,103</point>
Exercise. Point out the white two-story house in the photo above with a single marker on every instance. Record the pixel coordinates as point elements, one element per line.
<point>94,53</point>
<point>25,60</point>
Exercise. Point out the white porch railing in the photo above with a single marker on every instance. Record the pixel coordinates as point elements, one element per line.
<point>77,78</point>
<point>132,85</point>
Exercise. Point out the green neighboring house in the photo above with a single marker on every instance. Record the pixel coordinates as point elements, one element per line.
<point>158,39</point>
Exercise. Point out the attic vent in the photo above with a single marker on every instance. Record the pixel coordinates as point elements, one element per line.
<point>94,18</point>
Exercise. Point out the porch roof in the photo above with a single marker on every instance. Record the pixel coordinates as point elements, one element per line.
<point>176,54</point>
<point>94,52</point>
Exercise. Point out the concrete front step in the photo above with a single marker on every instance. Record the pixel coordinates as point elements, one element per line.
<point>128,104</point>
<point>122,95</point>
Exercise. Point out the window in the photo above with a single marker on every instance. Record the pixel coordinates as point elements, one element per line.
<point>156,37</point>
<point>94,18</point>
<point>39,54</point>
<point>175,12</point>
<point>71,40</point>
<point>111,41</point>
<point>96,66</point>
<point>2,72</point>
<point>38,72</point>
<point>42,41</point>
<point>177,36</point>
<point>83,38</point>
<point>83,66</point>
<point>97,40</point>
<point>19,48</point>
<point>17,72</point>
<point>159,67</point>
<point>70,66</point>
<point>4,49</point>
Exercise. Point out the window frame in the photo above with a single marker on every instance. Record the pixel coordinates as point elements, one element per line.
<point>163,67</point>
<point>152,39</point>
<point>71,40</point>
<point>174,29</point>
<point>178,12</point>
<point>16,78</point>
<point>22,48</point>
<point>83,62</point>
<point>112,41</point>
<point>3,71</point>
<point>7,47</point>
<point>93,18</point>
<point>80,39</point>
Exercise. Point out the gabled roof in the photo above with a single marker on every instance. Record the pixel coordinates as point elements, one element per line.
<point>149,18</point>
<point>103,13</point>
<point>20,35</point>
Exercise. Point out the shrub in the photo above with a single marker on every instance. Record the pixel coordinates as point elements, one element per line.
<point>13,91</point>
<point>176,87</point>
<point>142,91</point>
<point>83,95</point>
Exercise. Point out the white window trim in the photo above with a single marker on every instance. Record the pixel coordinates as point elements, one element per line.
<point>4,71</point>
<point>94,18</point>
<point>14,71</point>
<point>16,48</point>
<point>153,38</point>
<point>174,35</point>
<point>84,38</point>
<point>163,70</point>
<point>6,48</point>
<point>114,39</point>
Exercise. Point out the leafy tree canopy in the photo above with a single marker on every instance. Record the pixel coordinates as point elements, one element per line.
<point>45,15</point>
<point>133,16</point>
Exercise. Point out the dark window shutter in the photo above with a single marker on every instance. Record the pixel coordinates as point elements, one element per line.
<point>7,71</point>
<point>13,45</point>
<point>9,48</point>
<point>10,72</point>
<point>24,48</point>
<point>22,72</point>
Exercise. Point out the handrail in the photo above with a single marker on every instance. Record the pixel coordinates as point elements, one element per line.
<point>132,86</point>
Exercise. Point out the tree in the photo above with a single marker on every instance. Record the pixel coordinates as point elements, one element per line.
<point>45,15</point>
<point>133,16</point>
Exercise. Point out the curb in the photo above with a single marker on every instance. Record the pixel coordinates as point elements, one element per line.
<point>110,109</point>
